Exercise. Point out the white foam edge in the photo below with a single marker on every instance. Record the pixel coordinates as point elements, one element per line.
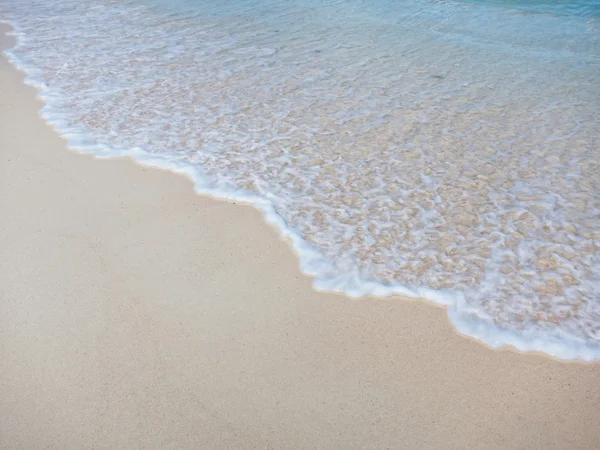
<point>312,261</point>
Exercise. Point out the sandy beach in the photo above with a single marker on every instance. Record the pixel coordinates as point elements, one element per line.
<point>135,313</point>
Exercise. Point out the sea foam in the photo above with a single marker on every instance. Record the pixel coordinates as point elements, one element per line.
<point>435,150</point>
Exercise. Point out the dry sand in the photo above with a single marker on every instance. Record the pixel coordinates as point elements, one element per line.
<point>137,314</point>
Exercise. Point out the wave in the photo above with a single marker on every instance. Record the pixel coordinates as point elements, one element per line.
<point>427,155</point>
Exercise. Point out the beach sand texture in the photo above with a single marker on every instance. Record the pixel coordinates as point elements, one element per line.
<point>137,314</point>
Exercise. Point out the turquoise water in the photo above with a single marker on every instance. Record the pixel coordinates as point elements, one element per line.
<point>583,8</point>
<point>445,150</point>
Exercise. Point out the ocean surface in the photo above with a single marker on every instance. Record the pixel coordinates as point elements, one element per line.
<point>439,149</point>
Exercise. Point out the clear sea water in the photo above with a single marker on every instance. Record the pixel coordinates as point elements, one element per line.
<point>438,149</point>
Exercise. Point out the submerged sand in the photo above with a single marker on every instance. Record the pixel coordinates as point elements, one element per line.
<point>137,314</point>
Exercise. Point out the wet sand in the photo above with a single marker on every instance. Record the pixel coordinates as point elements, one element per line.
<point>137,314</point>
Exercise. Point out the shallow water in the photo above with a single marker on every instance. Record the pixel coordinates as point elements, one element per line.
<point>438,149</point>
<point>582,8</point>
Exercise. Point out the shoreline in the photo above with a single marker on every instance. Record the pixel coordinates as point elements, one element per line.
<point>135,312</point>
<point>315,265</point>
